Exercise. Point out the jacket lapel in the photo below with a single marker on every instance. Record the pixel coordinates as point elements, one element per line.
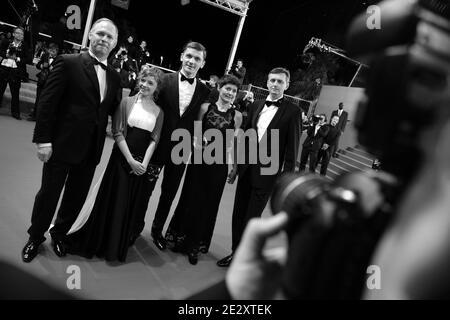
<point>276,117</point>
<point>90,71</point>
<point>109,83</point>
<point>194,100</point>
<point>173,91</point>
<point>255,117</point>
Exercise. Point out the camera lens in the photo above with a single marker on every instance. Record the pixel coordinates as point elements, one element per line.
<point>293,193</point>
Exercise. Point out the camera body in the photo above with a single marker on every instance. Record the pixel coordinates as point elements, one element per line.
<point>335,226</point>
<point>315,119</point>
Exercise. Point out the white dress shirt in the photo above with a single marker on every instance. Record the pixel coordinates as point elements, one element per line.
<point>185,92</point>
<point>265,117</point>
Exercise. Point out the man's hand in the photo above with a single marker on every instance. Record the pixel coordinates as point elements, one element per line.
<point>325,146</point>
<point>44,153</point>
<point>255,274</point>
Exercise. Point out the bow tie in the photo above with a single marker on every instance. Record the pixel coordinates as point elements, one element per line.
<point>96,62</point>
<point>190,80</point>
<point>273,103</point>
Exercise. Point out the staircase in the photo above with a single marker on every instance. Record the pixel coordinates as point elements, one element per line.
<point>27,97</point>
<point>349,160</point>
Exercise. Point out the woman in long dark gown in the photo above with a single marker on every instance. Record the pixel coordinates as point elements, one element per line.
<point>204,183</point>
<point>127,183</point>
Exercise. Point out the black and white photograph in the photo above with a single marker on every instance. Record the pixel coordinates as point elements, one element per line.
<point>220,150</point>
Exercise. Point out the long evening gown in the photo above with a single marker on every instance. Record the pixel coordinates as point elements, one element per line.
<point>122,198</point>
<point>196,212</point>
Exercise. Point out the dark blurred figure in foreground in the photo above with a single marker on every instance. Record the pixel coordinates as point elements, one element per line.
<point>410,241</point>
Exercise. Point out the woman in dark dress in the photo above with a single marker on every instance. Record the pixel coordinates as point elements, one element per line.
<point>204,183</point>
<point>108,223</point>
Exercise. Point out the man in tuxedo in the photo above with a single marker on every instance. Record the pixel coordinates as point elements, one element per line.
<point>343,115</point>
<point>80,92</point>
<point>328,143</point>
<point>255,184</point>
<point>180,98</point>
<point>313,142</point>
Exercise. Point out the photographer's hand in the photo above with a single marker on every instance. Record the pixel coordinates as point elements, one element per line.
<point>255,274</point>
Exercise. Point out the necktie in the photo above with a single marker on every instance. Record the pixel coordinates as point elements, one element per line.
<point>274,103</point>
<point>190,80</point>
<point>96,62</point>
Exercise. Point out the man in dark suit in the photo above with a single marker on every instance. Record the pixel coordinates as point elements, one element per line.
<point>313,142</point>
<point>14,56</point>
<point>80,92</point>
<point>180,98</point>
<point>45,64</point>
<point>328,143</point>
<point>275,123</point>
<point>343,115</point>
<point>239,70</point>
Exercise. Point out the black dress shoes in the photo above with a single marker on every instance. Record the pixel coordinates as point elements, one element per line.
<point>179,246</point>
<point>193,257</point>
<point>159,241</point>
<point>225,262</point>
<point>30,251</point>
<point>59,248</point>
<point>203,248</point>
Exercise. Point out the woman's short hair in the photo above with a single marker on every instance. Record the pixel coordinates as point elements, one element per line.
<point>229,79</point>
<point>156,73</point>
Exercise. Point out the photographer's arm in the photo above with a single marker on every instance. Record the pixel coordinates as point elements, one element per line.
<point>255,274</point>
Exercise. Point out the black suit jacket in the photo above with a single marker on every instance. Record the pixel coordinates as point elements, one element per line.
<point>342,119</point>
<point>332,135</point>
<point>70,114</point>
<point>285,121</point>
<point>315,141</point>
<point>168,100</point>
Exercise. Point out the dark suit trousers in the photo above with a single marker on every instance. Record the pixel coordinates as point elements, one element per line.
<point>169,187</point>
<point>312,154</point>
<point>14,86</point>
<point>335,147</point>
<point>249,202</point>
<point>324,159</point>
<point>76,179</point>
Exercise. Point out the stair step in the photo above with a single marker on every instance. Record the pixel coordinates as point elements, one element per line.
<point>362,153</point>
<point>26,105</point>
<point>337,169</point>
<point>346,164</point>
<point>352,155</point>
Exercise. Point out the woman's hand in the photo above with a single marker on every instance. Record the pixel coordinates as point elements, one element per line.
<point>136,167</point>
